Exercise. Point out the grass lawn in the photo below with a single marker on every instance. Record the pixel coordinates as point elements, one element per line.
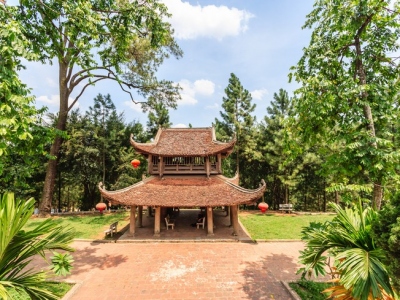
<point>58,288</point>
<point>278,226</point>
<point>87,226</point>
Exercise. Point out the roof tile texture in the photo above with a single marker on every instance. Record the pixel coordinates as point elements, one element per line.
<point>184,142</point>
<point>184,192</point>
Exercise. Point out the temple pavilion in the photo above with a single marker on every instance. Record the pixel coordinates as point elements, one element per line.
<point>185,172</point>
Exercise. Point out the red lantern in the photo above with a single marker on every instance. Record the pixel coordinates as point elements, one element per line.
<point>263,207</point>
<point>101,206</point>
<point>135,163</point>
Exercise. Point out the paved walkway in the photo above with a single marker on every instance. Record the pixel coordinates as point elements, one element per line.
<point>219,267</point>
<point>184,270</point>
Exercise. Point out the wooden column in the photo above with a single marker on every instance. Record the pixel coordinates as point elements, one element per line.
<point>150,164</point>
<point>219,159</point>
<point>210,221</point>
<point>235,219</point>
<point>160,166</point>
<point>140,216</point>
<point>230,216</point>
<point>132,221</point>
<point>208,166</point>
<point>157,219</point>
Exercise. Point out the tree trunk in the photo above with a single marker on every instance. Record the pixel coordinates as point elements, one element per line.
<point>51,170</point>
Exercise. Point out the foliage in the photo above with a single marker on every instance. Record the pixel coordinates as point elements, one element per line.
<point>310,290</point>
<point>22,138</point>
<point>18,246</point>
<point>387,235</point>
<point>348,93</point>
<point>158,118</point>
<point>123,41</point>
<point>348,241</point>
<point>237,120</point>
<point>57,288</point>
<point>62,263</point>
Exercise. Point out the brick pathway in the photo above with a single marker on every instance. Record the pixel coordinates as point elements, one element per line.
<point>183,270</point>
<point>200,268</point>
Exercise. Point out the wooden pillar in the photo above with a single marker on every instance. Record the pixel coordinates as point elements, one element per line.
<point>157,219</point>
<point>208,166</point>
<point>235,219</point>
<point>150,164</point>
<point>230,216</point>
<point>210,221</point>
<point>219,159</point>
<point>132,221</point>
<point>140,216</point>
<point>160,166</point>
<point>149,211</point>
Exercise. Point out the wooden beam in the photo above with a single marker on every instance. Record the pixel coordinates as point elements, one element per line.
<point>235,219</point>
<point>132,221</point>
<point>210,221</point>
<point>140,216</point>
<point>157,221</point>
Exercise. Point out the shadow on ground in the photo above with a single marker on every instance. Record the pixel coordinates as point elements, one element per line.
<point>263,278</point>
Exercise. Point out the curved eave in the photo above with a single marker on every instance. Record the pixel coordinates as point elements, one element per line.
<point>184,193</point>
<point>215,147</point>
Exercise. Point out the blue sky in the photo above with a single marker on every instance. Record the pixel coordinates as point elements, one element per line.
<point>257,40</point>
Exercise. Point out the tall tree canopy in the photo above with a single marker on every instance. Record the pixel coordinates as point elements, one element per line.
<point>349,87</point>
<point>22,138</point>
<point>91,41</point>
<point>237,118</point>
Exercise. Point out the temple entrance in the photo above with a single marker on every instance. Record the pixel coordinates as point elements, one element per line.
<point>183,229</point>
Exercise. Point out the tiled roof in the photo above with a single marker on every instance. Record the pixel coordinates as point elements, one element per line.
<point>184,142</point>
<point>184,191</point>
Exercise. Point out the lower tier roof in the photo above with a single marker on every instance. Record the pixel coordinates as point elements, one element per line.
<point>184,191</point>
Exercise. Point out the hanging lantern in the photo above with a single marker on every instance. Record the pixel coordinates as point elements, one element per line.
<point>263,207</point>
<point>135,163</point>
<point>101,206</point>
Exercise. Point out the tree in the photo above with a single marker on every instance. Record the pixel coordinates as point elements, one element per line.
<point>387,235</point>
<point>237,119</point>
<point>95,41</point>
<point>349,86</point>
<point>19,245</point>
<point>23,139</point>
<point>158,118</point>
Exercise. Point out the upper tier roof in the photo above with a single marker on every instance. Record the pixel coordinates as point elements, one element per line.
<point>184,142</point>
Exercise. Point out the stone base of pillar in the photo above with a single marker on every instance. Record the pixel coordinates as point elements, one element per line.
<point>210,234</point>
<point>156,235</point>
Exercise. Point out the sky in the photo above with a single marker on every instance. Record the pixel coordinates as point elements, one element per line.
<point>257,40</point>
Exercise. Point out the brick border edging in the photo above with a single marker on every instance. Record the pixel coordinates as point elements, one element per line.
<point>72,291</point>
<point>292,293</point>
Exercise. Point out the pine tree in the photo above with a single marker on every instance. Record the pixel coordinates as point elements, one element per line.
<point>237,118</point>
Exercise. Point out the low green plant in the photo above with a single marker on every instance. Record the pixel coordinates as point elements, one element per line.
<point>18,247</point>
<point>61,263</point>
<point>345,249</point>
<point>310,290</point>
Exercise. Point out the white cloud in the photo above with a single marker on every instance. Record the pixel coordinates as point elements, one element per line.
<point>214,106</point>
<point>204,87</point>
<point>190,90</point>
<point>192,21</point>
<point>259,94</point>
<point>135,106</point>
<point>180,125</point>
